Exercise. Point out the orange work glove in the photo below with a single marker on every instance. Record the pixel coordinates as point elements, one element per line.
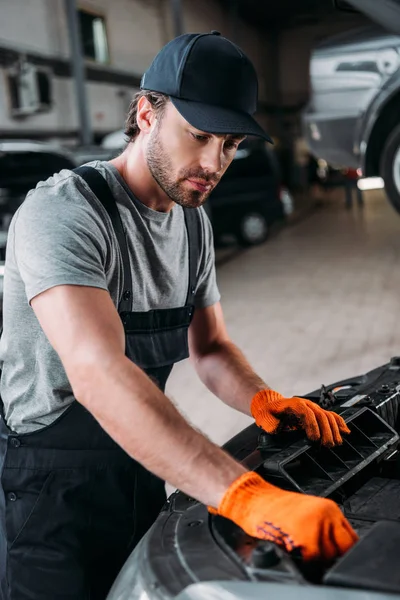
<point>271,411</point>
<point>315,526</point>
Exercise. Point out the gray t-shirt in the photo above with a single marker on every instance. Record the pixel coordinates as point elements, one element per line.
<point>62,235</point>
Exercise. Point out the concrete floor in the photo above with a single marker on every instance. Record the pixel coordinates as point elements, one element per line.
<point>317,303</point>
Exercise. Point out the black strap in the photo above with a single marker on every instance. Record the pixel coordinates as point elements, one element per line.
<point>101,190</point>
<point>192,220</point>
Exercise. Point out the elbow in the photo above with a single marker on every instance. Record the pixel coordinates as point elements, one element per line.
<point>91,377</point>
<point>85,380</point>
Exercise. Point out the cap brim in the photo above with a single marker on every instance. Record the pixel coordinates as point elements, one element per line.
<point>216,119</point>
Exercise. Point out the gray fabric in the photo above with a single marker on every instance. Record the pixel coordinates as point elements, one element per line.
<point>62,235</point>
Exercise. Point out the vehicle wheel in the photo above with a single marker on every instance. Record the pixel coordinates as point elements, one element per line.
<point>253,229</point>
<point>390,168</point>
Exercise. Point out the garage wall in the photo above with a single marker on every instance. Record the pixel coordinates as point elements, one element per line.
<point>136,30</point>
<point>35,25</point>
<point>133,28</point>
<point>133,31</point>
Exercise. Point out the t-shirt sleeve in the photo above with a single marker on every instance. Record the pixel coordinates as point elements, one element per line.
<point>58,240</point>
<point>207,292</point>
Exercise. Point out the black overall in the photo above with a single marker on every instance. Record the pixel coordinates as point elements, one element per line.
<point>73,504</point>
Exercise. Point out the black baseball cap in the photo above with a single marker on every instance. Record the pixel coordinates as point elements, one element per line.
<point>210,81</point>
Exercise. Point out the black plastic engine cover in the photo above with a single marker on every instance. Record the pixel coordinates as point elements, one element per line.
<point>366,565</point>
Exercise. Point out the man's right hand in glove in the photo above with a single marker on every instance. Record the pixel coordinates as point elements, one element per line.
<point>315,526</point>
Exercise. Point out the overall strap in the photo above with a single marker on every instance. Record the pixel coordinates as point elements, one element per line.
<point>193,228</point>
<point>101,190</point>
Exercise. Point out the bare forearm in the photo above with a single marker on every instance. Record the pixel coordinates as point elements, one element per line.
<point>228,375</point>
<point>141,419</point>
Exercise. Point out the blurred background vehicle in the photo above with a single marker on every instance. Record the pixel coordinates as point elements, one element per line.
<point>23,163</point>
<point>249,199</point>
<point>352,118</point>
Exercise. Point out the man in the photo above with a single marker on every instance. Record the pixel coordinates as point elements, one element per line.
<point>109,281</point>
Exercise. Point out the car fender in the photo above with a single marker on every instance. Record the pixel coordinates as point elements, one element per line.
<point>370,117</point>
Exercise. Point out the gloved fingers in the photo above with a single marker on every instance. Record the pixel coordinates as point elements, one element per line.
<point>321,544</point>
<point>341,423</point>
<point>329,546</point>
<point>350,530</point>
<point>269,423</point>
<point>337,537</point>
<point>324,426</point>
<point>332,541</point>
<point>310,424</point>
<point>345,537</point>
<point>264,532</point>
<point>313,548</point>
<point>277,537</point>
<point>337,438</point>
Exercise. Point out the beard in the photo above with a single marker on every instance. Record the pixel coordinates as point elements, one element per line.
<point>161,168</point>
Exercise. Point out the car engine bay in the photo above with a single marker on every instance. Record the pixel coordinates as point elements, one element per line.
<point>188,546</point>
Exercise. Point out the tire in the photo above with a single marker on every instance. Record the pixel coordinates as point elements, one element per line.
<point>390,168</point>
<point>253,229</point>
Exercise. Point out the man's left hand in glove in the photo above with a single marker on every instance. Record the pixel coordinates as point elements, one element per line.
<point>272,411</point>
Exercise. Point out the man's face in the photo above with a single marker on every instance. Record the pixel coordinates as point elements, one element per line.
<point>187,163</point>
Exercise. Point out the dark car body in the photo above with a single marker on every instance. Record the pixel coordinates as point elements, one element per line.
<point>24,163</point>
<point>248,199</point>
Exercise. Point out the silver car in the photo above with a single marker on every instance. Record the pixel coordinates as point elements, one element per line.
<point>353,119</point>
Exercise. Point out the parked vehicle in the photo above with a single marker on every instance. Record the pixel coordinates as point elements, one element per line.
<point>249,198</point>
<point>353,119</point>
<point>23,163</point>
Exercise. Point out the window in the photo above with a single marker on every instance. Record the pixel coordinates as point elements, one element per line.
<point>94,36</point>
<point>29,89</point>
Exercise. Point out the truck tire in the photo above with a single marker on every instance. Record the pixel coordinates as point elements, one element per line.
<point>390,168</point>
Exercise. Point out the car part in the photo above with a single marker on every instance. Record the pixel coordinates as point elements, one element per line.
<point>355,90</point>
<point>248,199</point>
<point>252,229</point>
<point>390,167</point>
<point>187,545</point>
